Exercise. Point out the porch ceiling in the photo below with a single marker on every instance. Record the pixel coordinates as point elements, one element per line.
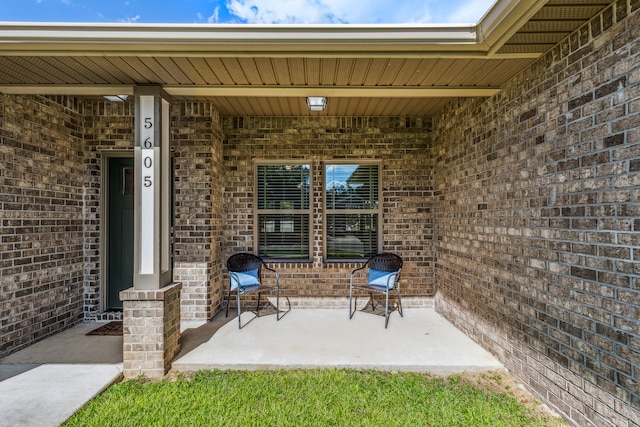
<point>269,70</point>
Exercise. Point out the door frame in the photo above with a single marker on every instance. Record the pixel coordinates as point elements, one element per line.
<point>104,222</point>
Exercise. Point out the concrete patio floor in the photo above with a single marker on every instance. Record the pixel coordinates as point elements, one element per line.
<point>44,384</point>
<point>421,341</point>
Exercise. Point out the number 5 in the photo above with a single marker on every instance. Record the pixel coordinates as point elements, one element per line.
<point>147,181</point>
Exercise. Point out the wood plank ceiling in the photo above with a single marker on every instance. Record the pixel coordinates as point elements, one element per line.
<point>240,83</point>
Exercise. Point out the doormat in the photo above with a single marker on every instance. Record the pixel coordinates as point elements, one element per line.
<point>111,328</point>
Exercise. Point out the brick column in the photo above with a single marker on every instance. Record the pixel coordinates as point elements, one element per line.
<point>151,338</point>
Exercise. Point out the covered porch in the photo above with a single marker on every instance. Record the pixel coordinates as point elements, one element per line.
<point>505,155</point>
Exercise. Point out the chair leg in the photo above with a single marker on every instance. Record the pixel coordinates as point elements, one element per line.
<point>350,298</point>
<point>258,306</point>
<point>386,310</point>
<point>400,304</point>
<point>238,299</point>
<point>280,315</point>
<point>228,301</point>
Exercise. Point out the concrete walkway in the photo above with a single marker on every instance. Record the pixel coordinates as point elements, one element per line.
<point>44,384</point>
<point>49,394</point>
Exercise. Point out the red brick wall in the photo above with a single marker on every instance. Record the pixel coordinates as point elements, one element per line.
<point>536,221</point>
<point>403,146</point>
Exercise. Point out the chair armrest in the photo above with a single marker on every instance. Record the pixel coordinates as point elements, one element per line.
<point>360,268</point>
<point>266,267</point>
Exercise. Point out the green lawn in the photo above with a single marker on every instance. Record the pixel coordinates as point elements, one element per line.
<point>313,398</point>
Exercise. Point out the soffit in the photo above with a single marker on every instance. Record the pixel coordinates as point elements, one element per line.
<point>268,71</point>
<point>551,24</point>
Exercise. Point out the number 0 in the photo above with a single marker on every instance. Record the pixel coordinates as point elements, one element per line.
<point>147,162</point>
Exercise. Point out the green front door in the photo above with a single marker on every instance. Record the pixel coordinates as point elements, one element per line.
<point>120,226</point>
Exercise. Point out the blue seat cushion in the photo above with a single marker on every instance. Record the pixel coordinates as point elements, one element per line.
<point>244,279</point>
<point>382,278</point>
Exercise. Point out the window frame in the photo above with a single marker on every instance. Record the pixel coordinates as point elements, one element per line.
<point>257,212</point>
<point>326,211</point>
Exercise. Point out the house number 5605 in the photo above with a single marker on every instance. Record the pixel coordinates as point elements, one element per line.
<point>147,161</point>
<point>148,204</point>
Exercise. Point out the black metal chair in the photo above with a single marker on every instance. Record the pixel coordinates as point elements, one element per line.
<point>245,277</point>
<point>383,277</point>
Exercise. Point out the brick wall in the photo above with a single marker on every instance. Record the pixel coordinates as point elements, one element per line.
<point>402,144</point>
<point>151,337</point>
<point>536,227</point>
<point>534,217</point>
<point>108,129</point>
<point>51,153</point>
<point>196,142</point>
<point>41,218</point>
<point>198,207</point>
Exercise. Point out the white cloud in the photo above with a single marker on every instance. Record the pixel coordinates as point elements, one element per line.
<point>215,16</point>
<point>280,12</point>
<point>469,12</point>
<point>130,19</point>
<point>329,11</point>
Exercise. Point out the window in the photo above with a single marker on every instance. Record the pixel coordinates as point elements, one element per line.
<point>283,210</point>
<point>353,213</point>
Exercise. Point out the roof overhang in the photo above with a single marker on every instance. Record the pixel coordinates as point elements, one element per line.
<point>482,39</point>
<point>294,47</point>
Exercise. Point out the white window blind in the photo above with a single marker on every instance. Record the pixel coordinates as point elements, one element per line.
<point>283,210</point>
<point>352,194</point>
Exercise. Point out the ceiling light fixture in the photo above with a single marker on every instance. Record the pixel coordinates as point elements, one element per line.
<point>316,103</point>
<point>116,98</point>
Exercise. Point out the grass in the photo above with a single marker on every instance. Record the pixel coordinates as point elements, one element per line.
<point>312,398</point>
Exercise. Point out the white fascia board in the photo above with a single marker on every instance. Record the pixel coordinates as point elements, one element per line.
<point>202,37</point>
<point>136,33</point>
<point>504,19</point>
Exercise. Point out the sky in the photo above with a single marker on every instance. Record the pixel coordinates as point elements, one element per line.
<point>247,11</point>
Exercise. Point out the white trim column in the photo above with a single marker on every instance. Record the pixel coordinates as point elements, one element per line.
<point>151,309</point>
<point>152,247</point>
